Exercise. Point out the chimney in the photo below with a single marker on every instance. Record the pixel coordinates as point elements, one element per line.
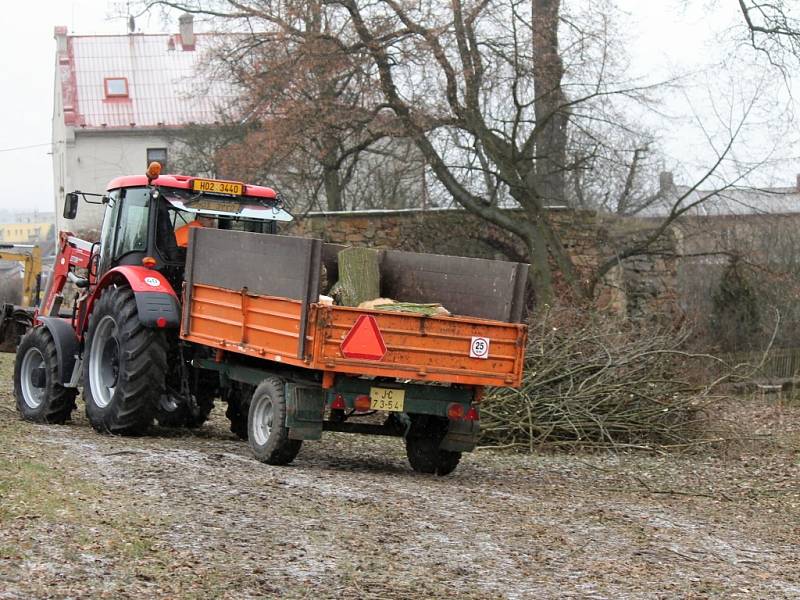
<point>60,35</point>
<point>186,28</point>
<point>666,183</point>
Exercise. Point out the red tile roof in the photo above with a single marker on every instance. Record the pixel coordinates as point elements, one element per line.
<point>164,85</point>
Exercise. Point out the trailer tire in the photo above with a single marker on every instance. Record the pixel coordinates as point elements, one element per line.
<point>425,456</point>
<point>124,366</point>
<point>36,358</point>
<point>237,396</point>
<point>266,424</point>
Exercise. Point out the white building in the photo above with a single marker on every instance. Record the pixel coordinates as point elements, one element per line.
<point>117,99</point>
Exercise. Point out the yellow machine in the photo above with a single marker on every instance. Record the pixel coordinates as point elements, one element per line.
<point>16,320</point>
<point>31,259</point>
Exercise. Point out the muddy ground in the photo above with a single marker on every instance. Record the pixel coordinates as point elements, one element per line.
<point>192,515</point>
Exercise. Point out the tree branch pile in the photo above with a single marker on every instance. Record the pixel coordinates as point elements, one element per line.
<point>594,381</point>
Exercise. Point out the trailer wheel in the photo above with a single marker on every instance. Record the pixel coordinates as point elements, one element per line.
<point>238,395</point>
<point>266,424</point>
<point>425,456</point>
<point>124,366</point>
<point>40,396</point>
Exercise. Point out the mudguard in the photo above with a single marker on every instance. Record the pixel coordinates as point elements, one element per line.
<point>156,301</point>
<point>67,345</point>
<point>461,436</point>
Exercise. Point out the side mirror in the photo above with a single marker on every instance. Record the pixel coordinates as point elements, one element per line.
<point>70,205</point>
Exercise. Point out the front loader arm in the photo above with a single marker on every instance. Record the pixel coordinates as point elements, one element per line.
<point>72,253</point>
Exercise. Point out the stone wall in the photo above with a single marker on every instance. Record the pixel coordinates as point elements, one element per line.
<point>641,287</point>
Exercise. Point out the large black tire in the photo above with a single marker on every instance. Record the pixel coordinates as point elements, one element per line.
<point>238,395</point>
<point>124,366</point>
<point>266,424</point>
<point>40,396</point>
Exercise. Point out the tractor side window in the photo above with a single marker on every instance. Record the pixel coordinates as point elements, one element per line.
<point>109,222</point>
<point>132,224</point>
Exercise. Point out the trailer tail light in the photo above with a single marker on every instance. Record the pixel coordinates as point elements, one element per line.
<point>149,262</point>
<point>161,322</point>
<point>338,403</point>
<point>362,403</point>
<point>472,414</point>
<point>455,411</point>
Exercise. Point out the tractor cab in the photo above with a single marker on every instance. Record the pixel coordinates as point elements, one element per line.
<point>148,218</point>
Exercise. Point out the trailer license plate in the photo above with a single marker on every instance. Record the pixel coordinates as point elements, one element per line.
<point>386,399</point>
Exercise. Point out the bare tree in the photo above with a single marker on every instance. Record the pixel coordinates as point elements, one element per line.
<point>504,99</point>
<point>773,28</point>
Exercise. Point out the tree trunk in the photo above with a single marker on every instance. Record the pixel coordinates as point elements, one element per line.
<point>333,189</point>
<point>359,277</point>
<point>550,148</point>
<point>540,275</point>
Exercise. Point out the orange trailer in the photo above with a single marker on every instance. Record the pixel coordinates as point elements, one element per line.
<point>262,316</point>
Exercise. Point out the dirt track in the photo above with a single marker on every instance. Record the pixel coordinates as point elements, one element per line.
<point>193,516</point>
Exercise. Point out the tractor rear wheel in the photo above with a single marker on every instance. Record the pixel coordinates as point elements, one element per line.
<point>40,396</point>
<point>124,366</point>
<point>266,424</point>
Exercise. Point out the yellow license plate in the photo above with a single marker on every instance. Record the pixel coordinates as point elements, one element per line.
<point>386,399</point>
<point>213,186</point>
<point>215,205</point>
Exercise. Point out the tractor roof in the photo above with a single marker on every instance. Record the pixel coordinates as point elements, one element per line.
<point>183,182</point>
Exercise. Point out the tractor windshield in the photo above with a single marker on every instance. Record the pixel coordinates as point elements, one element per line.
<point>238,208</point>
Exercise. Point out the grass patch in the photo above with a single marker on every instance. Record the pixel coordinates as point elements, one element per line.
<point>30,488</point>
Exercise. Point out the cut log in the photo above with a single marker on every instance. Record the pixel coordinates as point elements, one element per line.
<point>359,277</point>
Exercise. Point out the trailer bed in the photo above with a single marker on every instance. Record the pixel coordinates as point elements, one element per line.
<point>233,310</point>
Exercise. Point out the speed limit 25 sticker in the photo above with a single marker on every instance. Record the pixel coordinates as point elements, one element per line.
<point>479,348</point>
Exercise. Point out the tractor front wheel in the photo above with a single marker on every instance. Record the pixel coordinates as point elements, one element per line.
<point>40,396</point>
<point>124,366</point>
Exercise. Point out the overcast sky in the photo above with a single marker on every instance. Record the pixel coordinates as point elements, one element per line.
<point>667,37</point>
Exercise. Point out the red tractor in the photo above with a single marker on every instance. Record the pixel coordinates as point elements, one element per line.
<point>119,338</point>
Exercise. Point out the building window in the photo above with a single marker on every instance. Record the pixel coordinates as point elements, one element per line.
<point>159,155</point>
<point>116,87</point>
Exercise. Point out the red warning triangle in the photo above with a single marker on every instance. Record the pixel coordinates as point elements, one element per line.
<point>364,340</point>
